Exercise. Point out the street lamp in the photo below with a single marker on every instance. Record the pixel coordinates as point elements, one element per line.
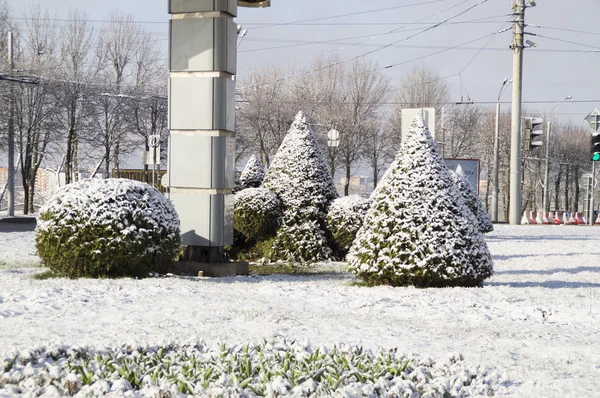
<point>505,85</point>
<point>545,204</point>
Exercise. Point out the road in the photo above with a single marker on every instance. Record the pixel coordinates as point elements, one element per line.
<point>17,224</point>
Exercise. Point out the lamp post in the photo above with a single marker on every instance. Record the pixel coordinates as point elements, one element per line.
<point>505,85</point>
<point>545,204</point>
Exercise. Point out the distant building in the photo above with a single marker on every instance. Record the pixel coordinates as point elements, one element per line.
<point>358,185</point>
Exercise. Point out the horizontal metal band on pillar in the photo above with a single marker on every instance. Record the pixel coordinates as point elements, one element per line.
<point>206,133</point>
<point>190,6</point>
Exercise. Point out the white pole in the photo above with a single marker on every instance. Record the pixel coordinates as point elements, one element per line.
<point>496,165</point>
<point>545,204</point>
<point>515,149</point>
<point>11,134</point>
<point>591,211</point>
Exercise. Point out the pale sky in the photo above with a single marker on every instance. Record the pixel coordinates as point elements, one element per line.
<point>552,71</point>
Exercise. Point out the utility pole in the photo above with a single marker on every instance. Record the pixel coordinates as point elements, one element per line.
<point>517,92</point>
<point>11,134</point>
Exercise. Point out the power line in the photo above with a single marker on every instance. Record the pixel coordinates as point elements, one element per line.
<point>380,48</point>
<point>335,42</point>
<point>568,41</point>
<point>351,14</point>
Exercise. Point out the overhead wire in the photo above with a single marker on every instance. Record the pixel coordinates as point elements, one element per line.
<point>351,14</point>
<point>383,47</point>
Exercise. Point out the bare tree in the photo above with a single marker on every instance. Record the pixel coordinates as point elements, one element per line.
<point>78,69</point>
<point>33,106</point>
<point>421,87</point>
<point>266,111</point>
<point>120,40</point>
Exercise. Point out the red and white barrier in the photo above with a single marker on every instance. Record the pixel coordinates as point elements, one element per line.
<point>532,217</point>
<point>525,219</point>
<point>547,219</point>
<point>579,220</point>
<point>559,218</point>
<point>538,218</point>
<point>570,220</point>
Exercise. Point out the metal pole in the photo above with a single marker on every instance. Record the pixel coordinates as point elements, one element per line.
<point>154,166</point>
<point>11,134</point>
<point>591,211</point>
<point>515,150</point>
<point>496,165</point>
<point>546,205</point>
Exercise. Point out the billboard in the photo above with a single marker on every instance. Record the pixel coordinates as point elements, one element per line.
<point>471,169</point>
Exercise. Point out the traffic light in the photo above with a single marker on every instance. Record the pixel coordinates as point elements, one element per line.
<point>595,147</point>
<point>531,134</point>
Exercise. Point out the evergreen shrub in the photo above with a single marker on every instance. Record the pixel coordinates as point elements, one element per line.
<point>107,228</point>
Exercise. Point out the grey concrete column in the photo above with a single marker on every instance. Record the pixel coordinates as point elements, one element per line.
<point>202,62</point>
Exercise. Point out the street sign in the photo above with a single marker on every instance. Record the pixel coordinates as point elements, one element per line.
<point>333,143</point>
<point>154,141</point>
<point>333,135</point>
<point>593,119</point>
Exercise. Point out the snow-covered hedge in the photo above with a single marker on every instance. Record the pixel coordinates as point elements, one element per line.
<point>299,176</point>
<point>272,369</point>
<point>253,174</point>
<point>107,228</point>
<point>257,213</point>
<point>419,230</point>
<point>472,200</point>
<point>344,219</point>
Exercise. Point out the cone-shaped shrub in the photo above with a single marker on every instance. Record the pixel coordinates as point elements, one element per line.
<point>300,178</point>
<point>256,213</point>
<point>253,174</point>
<point>419,230</point>
<point>472,200</point>
<point>344,219</point>
<point>107,228</point>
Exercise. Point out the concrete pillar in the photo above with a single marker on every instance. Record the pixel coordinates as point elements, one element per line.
<point>202,62</point>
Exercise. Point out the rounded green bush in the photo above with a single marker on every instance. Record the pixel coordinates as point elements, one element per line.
<point>257,213</point>
<point>107,228</point>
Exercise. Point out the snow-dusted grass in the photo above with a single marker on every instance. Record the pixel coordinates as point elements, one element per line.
<point>17,250</point>
<point>536,321</point>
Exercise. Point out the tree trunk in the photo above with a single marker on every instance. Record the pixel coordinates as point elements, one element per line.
<point>557,188</point>
<point>487,189</point>
<point>116,160</point>
<point>347,184</point>
<point>576,201</point>
<point>32,197</point>
<point>567,187</point>
<point>25,197</point>
<point>76,159</point>
<point>69,157</point>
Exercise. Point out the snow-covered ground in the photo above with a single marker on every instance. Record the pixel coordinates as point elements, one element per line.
<point>537,319</point>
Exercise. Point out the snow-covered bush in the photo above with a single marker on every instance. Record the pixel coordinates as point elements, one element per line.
<point>277,368</point>
<point>257,212</point>
<point>253,174</point>
<point>106,228</point>
<point>344,219</point>
<point>419,230</point>
<point>472,200</point>
<point>299,176</point>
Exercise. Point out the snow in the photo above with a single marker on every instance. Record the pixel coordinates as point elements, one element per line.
<point>536,320</point>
